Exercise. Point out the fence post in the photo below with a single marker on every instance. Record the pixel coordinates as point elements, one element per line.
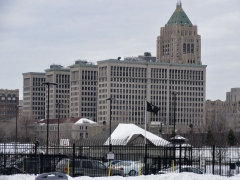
<point>145,160</point>
<point>213,159</point>
<point>73,161</point>
<point>5,162</point>
<point>35,159</point>
<point>180,157</point>
<point>191,155</point>
<point>41,163</point>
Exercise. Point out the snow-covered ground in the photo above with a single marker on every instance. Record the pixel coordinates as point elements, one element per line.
<point>170,176</point>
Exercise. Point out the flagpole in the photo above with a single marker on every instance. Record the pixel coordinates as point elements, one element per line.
<point>145,143</point>
<point>145,121</point>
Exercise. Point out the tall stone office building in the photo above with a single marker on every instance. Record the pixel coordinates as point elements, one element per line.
<point>59,94</point>
<point>84,90</point>
<point>233,95</point>
<point>178,69</point>
<point>35,95</point>
<point>75,94</point>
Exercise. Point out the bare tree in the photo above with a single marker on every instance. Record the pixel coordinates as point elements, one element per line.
<point>7,128</point>
<point>26,124</point>
<point>66,129</point>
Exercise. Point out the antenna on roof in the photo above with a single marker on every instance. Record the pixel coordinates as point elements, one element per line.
<point>179,4</point>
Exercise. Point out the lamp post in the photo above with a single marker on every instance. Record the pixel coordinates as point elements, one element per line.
<point>174,124</point>
<point>58,105</point>
<point>17,108</point>
<point>48,84</point>
<point>110,123</point>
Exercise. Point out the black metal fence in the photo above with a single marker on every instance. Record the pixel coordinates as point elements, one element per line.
<point>31,157</point>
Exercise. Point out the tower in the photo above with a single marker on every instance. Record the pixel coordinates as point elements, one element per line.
<point>179,41</point>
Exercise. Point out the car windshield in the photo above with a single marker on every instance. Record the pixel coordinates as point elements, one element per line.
<point>127,164</point>
<point>98,165</point>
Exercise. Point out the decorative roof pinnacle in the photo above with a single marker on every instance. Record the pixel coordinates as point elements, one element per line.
<point>179,3</point>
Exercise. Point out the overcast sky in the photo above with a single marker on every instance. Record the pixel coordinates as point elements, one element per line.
<point>36,34</point>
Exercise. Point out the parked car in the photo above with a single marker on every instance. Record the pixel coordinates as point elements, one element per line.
<point>129,168</point>
<point>23,165</point>
<point>4,167</point>
<point>190,169</point>
<point>113,162</point>
<point>85,167</point>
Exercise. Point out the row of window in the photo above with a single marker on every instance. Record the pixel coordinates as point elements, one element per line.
<point>185,88</point>
<point>93,83</point>
<point>89,88</point>
<point>88,104</point>
<point>91,93</point>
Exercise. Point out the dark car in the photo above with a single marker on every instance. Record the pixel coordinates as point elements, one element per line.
<point>24,165</point>
<point>85,167</point>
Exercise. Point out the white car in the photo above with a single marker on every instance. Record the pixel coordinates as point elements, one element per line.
<point>184,168</point>
<point>129,168</point>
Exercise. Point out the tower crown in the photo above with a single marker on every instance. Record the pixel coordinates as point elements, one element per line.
<point>179,17</point>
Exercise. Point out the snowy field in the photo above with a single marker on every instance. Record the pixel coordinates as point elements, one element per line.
<point>170,176</point>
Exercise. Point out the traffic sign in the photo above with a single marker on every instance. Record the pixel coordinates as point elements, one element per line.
<point>110,155</point>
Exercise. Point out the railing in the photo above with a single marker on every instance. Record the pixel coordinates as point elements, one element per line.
<point>30,158</point>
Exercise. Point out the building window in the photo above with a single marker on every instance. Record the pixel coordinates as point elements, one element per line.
<point>184,48</point>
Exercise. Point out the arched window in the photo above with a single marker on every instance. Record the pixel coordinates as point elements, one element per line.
<point>192,48</point>
<point>3,97</point>
<point>14,98</point>
<point>184,48</point>
<point>9,98</point>
<point>188,48</point>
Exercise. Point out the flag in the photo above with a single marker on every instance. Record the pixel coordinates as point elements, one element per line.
<point>155,110</point>
<point>152,108</point>
<point>149,107</point>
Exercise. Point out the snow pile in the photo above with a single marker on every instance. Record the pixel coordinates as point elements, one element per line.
<point>85,120</point>
<point>170,176</point>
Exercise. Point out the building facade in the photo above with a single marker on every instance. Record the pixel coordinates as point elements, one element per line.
<point>8,104</point>
<point>34,94</point>
<point>233,95</point>
<point>223,115</point>
<point>83,96</point>
<point>59,98</point>
<point>130,83</point>
<point>179,41</point>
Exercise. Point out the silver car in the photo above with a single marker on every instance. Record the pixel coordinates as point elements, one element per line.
<point>85,167</point>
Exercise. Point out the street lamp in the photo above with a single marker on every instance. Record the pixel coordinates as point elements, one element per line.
<point>58,105</point>
<point>48,84</point>
<point>17,108</point>
<point>110,124</point>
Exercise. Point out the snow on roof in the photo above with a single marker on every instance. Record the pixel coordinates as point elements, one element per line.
<point>124,132</point>
<point>85,120</point>
<point>179,137</point>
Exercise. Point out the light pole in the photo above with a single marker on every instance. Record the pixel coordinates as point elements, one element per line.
<point>174,124</point>
<point>58,105</point>
<point>17,108</point>
<point>48,84</point>
<point>110,123</point>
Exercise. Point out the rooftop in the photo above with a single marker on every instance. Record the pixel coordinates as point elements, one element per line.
<point>179,17</point>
